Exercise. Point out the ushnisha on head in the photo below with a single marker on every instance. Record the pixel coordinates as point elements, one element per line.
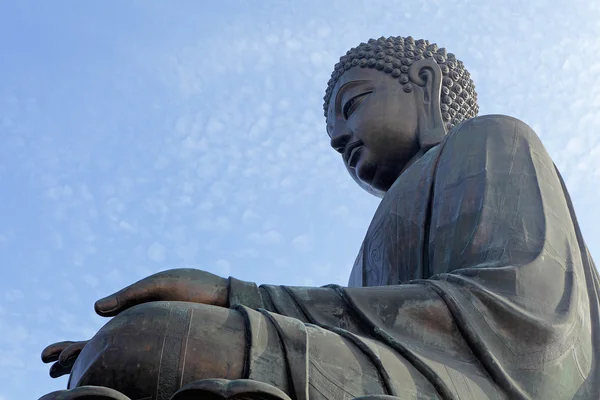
<point>389,101</point>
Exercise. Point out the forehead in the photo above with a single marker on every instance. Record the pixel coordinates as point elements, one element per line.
<point>357,74</point>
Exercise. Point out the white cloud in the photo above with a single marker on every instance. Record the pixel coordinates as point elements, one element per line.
<point>223,267</point>
<point>247,253</point>
<point>271,237</point>
<point>156,252</point>
<point>205,205</point>
<point>44,295</point>
<point>90,280</point>
<point>85,193</point>
<point>187,252</point>
<point>125,226</point>
<point>340,211</point>
<point>575,146</point>
<point>302,243</point>
<point>15,334</point>
<point>8,361</point>
<point>249,216</point>
<point>287,182</point>
<point>308,282</point>
<point>220,223</point>
<point>13,295</point>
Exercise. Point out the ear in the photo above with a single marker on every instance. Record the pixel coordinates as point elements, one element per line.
<point>427,76</point>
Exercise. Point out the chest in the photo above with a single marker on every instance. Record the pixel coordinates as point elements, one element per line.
<point>393,250</point>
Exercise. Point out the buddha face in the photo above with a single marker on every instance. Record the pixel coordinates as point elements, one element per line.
<point>373,123</point>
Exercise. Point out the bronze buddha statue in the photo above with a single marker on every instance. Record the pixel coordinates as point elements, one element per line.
<point>473,280</point>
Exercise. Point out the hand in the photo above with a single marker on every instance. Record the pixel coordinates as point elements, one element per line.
<point>63,355</point>
<point>185,284</point>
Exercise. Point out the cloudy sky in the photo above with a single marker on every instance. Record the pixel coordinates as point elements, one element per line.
<point>137,136</point>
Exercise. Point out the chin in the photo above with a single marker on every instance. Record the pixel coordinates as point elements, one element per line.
<point>367,175</point>
<point>366,172</point>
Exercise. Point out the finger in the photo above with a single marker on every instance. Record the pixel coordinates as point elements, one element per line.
<point>67,356</point>
<point>151,288</point>
<point>51,352</point>
<point>140,292</point>
<point>57,370</point>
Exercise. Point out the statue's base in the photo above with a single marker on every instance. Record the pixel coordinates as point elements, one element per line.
<point>206,389</point>
<point>220,389</point>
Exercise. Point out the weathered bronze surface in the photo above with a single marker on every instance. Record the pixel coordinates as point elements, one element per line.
<point>473,280</point>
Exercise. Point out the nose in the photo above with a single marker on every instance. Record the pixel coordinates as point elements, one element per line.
<point>339,142</point>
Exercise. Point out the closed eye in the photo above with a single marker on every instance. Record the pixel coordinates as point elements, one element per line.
<point>352,104</point>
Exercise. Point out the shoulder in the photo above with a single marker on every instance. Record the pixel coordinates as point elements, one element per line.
<point>494,124</point>
<point>490,143</point>
<point>497,120</point>
<point>493,133</point>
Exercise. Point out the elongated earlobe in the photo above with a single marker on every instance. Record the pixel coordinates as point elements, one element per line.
<point>427,75</point>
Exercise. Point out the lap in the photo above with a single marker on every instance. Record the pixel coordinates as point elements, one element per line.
<point>155,348</point>
<point>151,350</point>
<point>332,364</point>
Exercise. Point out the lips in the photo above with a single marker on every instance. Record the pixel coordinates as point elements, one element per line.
<point>351,150</point>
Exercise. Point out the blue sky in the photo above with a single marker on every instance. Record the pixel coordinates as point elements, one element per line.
<point>137,136</point>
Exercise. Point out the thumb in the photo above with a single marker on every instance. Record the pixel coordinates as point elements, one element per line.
<point>107,304</point>
<point>143,291</point>
<point>183,284</point>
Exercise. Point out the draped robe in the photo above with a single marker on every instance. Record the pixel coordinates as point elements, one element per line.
<point>473,282</point>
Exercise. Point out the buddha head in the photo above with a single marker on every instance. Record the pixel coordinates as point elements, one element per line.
<point>391,100</point>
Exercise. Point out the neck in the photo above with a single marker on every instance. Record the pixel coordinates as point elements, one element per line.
<point>413,160</point>
<point>381,193</point>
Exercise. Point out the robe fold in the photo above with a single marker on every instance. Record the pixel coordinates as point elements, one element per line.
<point>473,282</point>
